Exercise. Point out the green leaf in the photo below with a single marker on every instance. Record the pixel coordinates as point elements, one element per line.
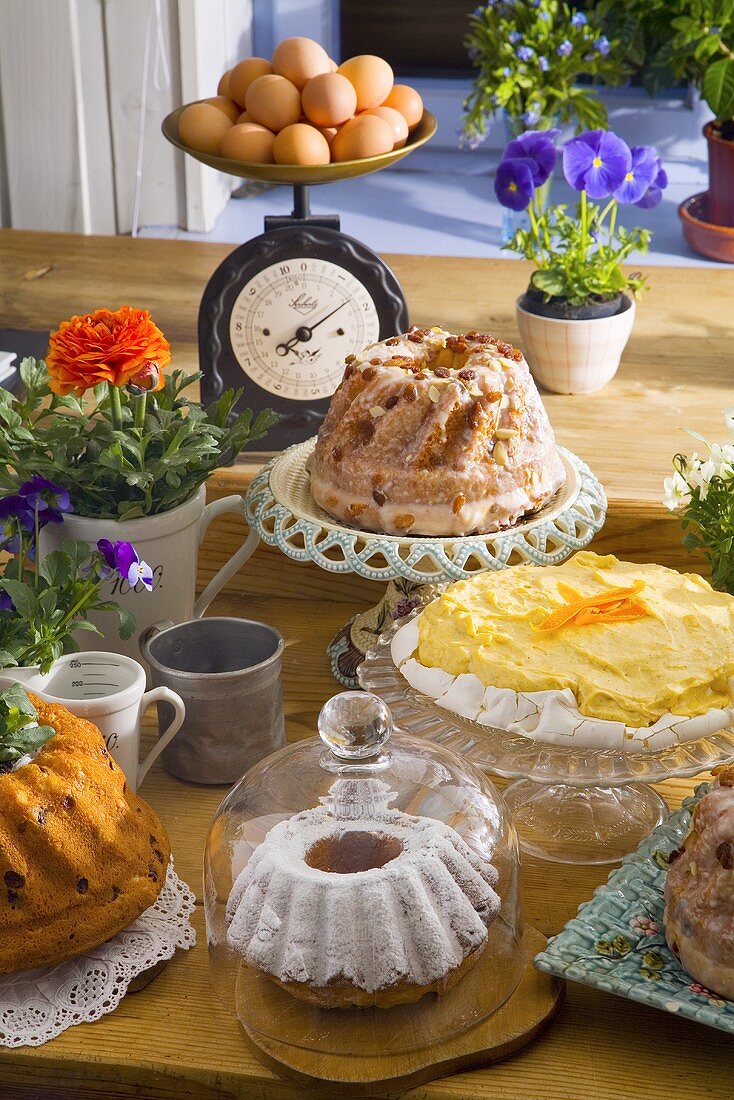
<point>718,88</point>
<point>23,597</point>
<point>550,281</point>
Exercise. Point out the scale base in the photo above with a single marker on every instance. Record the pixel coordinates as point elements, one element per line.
<point>583,825</point>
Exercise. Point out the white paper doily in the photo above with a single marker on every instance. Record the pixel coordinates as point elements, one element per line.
<point>37,1005</point>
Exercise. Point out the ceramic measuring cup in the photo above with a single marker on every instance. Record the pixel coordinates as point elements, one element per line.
<point>227,671</point>
<point>109,690</point>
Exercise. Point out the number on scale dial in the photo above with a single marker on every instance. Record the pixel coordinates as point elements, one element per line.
<point>294,323</point>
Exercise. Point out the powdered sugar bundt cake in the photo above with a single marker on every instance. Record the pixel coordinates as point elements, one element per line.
<point>362,910</point>
<point>80,855</point>
<point>699,891</point>
<point>435,434</point>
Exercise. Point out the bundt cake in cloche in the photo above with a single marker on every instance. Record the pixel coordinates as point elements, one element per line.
<point>434,434</point>
<point>699,891</point>
<point>81,856</point>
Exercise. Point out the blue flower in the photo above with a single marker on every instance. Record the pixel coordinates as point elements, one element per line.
<point>507,71</point>
<point>596,162</point>
<point>16,518</point>
<point>640,176</point>
<point>578,19</point>
<point>49,500</point>
<point>654,193</point>
<point>123,558</point>
<point>535,146</point>
<point>543,64</point>
<point>513,183</point>
<point>525,53</point>
<point>565,48</point>
<point>514,37</point>
<point>545,16</point>
<point>602,45</point>
<point>6,604</point>
<point>530,117</point>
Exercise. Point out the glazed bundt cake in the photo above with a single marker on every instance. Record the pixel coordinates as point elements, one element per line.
<point>343,909</point>
<point>699,891</point>
<point>81,856</point>
<point>434,434</point>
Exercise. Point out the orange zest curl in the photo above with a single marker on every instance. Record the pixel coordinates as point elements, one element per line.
<point>617,605</point>
<point>105,346</point>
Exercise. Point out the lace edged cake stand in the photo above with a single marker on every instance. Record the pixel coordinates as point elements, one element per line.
<point>569,805</point>
<point>281,510</point>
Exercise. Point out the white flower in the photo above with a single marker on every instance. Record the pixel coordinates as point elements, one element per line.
<point>677,493</point>
<point>700,477</point>
<point>729,418</point>
<point>722,455</point>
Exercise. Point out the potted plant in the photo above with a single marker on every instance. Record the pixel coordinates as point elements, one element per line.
<point>577,314</point>
<point>702,489</point>
<point>102,417</point>
<point>529,56</point>
<point>44,605</point>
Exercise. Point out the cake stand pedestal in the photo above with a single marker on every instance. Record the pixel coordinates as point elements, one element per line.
<point>569,805</point>
<point>529,1010</point>
<point>281,509</point>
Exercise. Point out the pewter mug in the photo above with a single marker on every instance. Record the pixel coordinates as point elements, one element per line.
<point>227,671</point>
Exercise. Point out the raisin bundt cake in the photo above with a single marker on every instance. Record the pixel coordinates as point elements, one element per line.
<point>699,891</point>
<point>434,434</point>
<point>376,910</point>
<point>81,856</point>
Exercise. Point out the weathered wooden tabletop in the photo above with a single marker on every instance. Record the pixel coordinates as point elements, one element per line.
<point>174,1039</point>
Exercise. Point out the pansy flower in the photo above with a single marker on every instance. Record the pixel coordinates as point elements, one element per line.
<point>536,146</point>
<point>654,194</point>
<point>641,174</point>
<point>124,559</point>
<point>513,182</point>
<point>596,162</point>
<point>46,499</point>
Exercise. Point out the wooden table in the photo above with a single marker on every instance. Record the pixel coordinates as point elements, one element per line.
<point>174,1040</point>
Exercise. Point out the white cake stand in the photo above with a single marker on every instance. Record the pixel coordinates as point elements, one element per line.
<point>569,805</point>
<point>281,509</point>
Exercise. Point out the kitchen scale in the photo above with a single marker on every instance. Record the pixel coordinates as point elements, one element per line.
<point>281,313</point>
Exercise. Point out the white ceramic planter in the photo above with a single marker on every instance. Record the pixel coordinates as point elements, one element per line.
<point>574,356</point>
<point>170,544</point>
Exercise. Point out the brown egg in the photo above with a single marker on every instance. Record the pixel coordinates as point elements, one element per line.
<point>300,59</point>
<point>363,136</point>
<point>395,120</point>
<point>405,99</point>
<point>273,102</point>
<point>202,127</point>
<point>223,103</point>
<point>372,78</point>
<point>329,132</point>
<point>244,117</point>
<point>249,142</point>
<point>301,144</point>
<point>223,85</point>
<point>329,99</point>
<point>242,76</point>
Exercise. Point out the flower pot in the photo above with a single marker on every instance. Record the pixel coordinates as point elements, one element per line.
<point>721,176</point>
<point>714,241</point>
<point>169,542</point>
<point>574,356</point>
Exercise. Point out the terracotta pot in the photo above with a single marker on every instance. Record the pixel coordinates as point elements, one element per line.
<point>721,177</point>
<point>574,356</point>
<point>714,241</point>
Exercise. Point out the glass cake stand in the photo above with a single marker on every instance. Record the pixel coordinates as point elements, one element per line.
<point>281,509</point>
<point>569,805</point>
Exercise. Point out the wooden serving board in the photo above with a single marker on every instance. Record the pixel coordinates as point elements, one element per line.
<point>533,1006</point>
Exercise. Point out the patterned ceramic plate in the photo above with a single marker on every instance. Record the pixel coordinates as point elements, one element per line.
<point>616,941</point>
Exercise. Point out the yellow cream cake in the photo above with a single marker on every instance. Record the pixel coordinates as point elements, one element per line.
<point>611,650</point>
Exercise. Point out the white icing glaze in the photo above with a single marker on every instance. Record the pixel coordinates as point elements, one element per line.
<point>414,919</point>
<point>550,716</point>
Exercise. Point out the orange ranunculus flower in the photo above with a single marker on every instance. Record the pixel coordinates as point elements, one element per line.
<point>105,346</point>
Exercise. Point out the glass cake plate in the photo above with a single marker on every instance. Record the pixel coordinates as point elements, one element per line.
<point>569,805</point>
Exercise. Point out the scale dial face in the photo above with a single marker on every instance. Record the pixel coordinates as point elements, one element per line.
<point>293,324</point>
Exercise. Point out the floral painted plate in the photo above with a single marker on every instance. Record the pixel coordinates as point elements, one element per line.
<point>616,941</point>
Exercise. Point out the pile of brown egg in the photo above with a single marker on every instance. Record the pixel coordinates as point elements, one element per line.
<point>302,108</point>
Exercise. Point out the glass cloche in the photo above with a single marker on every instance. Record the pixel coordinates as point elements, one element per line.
<point>362,883</point>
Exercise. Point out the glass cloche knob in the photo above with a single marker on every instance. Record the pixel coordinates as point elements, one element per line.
<point>355,725</point>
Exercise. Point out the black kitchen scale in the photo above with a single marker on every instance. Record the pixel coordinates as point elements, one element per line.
<point>281,313</point>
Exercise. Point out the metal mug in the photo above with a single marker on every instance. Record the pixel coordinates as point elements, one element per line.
<point>227,671</point>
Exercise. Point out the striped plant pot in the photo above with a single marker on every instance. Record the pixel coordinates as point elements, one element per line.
<point>574,356</point>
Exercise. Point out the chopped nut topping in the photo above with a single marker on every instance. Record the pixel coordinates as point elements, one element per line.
<point>410,393</point>
<point>415,337</point>
<point>392,401</point>
<point>377,411</point>
<point>499,454</point>
<point>724,854</point>
<point>504,401</point>
<point>475,391</point>
<point>466,374</point>
<point>693,868</point>
<point>348,371</point>
<point>420,374</point>
<point>379,498</point>
<point>351,359</point>
<point>405,522</point>
<point>459,502</point>
<point>375,362</point>
<point>433,394</point>
<point>392,341</point>
<point>505,433</point>
<point>474,415</point>
<point>369,374</point>
<point>509,383</point>
<point>442,372</point>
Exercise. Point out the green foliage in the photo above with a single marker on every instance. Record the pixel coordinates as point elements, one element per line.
<point>708,517</point>
<point>20,732</point>
<point>146,457</point>
<point>543,89</point>
<point>578,257</point>
<point>666,41</point>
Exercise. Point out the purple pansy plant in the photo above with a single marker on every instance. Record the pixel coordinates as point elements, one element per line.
<point>538,147</point>
<point>123,558</point>
<point>596,162</point>
<point>513,182</point>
